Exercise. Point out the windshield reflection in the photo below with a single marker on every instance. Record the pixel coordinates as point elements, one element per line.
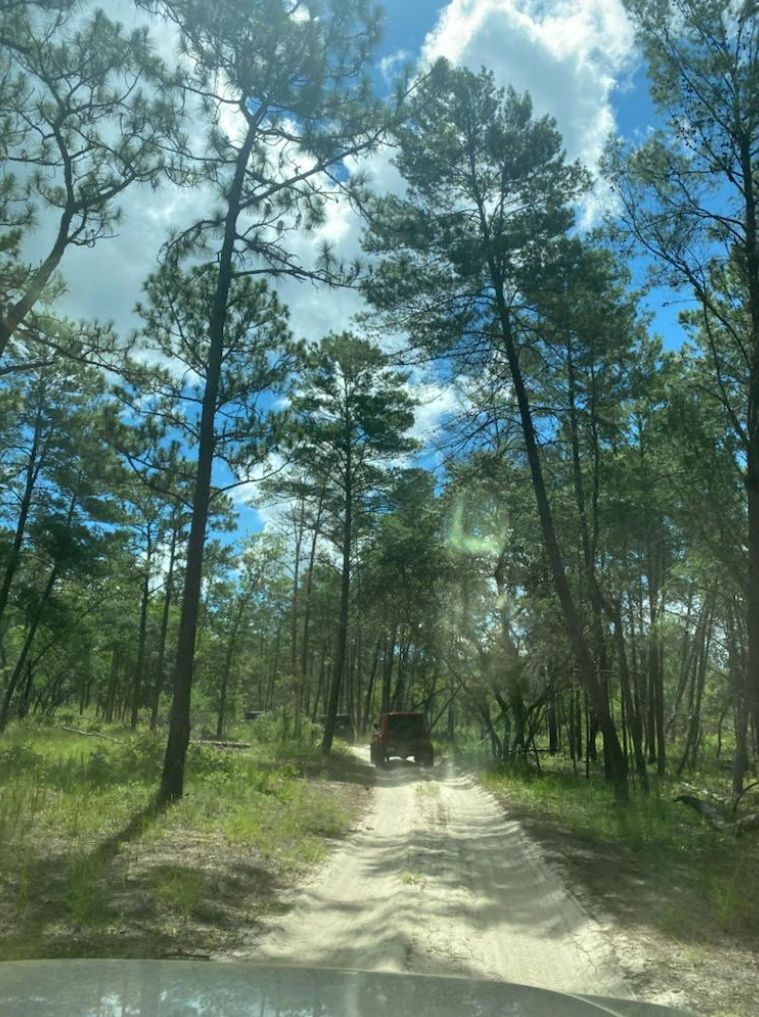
<point>145,988</point>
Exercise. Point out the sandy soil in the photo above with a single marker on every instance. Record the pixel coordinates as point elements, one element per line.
<point>437,881</point>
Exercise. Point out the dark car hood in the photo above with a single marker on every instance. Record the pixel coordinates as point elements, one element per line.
<point>145,988</point>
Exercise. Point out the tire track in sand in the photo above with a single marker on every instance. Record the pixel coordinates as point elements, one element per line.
<point>438,881</point>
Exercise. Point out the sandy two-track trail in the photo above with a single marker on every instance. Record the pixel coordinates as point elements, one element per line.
<point>438,881</point>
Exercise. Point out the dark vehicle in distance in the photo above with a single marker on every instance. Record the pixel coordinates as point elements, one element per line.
<point>402,734</point>
<point>343,727</point>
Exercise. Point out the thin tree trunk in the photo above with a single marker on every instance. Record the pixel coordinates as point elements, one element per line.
<point>370,686</point>
<point>737,665</point>
<point>296,675</point>
<point>752,628</point>
<point>274,669</point>
<point>656,677</point>
<point>685,651</point>
<point>342,631</point>
<point>32,630</point>
<point>142,638</point>
<point>165,614</point>
<point>110,699</point>
<point>228,657</point>
<point>553,728</point>
<point>25,649</point>
<point>387,670</point>
<point>172,778</point>
<point>15,313</point>
<point>747,160</point>
<point>398,697</point>
<point>304,650</point>
<point>221,716</point>
<point>483,709</point>
<point>25,696</point>
<point>614,759</point>
<point>320,683</point>
<point>633,716</point>
<point>696,692</point>
<point>14,554</point>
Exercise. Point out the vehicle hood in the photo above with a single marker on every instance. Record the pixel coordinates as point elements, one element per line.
<point>175,988</point>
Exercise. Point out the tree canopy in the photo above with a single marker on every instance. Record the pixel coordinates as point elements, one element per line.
<point>215,515</point>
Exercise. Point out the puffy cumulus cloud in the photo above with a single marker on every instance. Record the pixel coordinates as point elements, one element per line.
<point>569,54</point>
<point>253,512</point>
<point>316,309</point>
<point>435,401</point>
<point>105,281</point>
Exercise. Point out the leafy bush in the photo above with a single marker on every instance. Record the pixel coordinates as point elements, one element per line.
<point>19,760</point>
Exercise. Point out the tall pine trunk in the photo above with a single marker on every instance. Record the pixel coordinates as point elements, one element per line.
<point>303,674</point>
<point>167,598</point>
<point>616,764</point>
<point>342,631</point>
<point>172,778</point>
<point>32,473</point>
<point>142,638</point>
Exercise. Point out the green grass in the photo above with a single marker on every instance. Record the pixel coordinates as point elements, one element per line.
<point>85,901</point>
<point>180,890</point>
<point>87,867</point>
<point>657,858</point>
<point>428,790</point>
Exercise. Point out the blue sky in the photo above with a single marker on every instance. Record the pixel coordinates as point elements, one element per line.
<point>581,68</point>
<point>578,60</point>
<point>407,23</point>
<point>576,57</point>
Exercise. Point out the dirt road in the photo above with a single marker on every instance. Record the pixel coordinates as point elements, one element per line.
<point>437,881</point>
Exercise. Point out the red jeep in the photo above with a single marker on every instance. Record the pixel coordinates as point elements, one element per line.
<point>404,735</point>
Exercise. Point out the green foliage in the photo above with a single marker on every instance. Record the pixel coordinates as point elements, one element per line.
<point>277,727</point>
<point>82,121</point>
<point>304,93</point>
<point>178,889</point>
<point>77,881</point>
<point>444,599</point>
<point>487,206</point>
<point>652,839</point>
<point>259,355</point>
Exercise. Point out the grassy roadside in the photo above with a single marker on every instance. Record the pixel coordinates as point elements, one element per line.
<point>684,898</point>
<point>88,869</point>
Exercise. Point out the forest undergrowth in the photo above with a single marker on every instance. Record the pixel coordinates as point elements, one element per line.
<point>88,866</point>
<point>682,897</point>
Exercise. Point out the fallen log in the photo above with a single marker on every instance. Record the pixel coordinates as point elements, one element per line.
<point>747,788</point>
<point>90,734</point>
<point>221,745</point>
<point>717,820</point>
<point>750,822</point>
<point>711,813</point>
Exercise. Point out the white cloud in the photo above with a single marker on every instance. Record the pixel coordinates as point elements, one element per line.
<point>435,402</point>
<point>568,54</point>
<point>268,467</point>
